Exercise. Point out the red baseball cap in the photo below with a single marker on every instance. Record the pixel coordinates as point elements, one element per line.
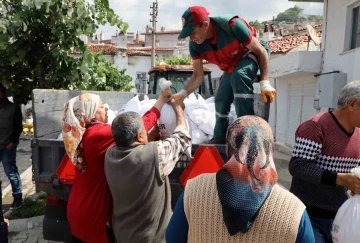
<point>192,16</point>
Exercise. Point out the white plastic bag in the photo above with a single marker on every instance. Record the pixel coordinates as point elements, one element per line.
<point>167,121</point>
<point>111,116</point>
<point>131,105</point>
<point>60,136</point>
<point>167,124</point>
<point>346,226</point>
<point>164,84</point>
<point>146,106</point>
<point>198,137</point>
<point>210,100</point>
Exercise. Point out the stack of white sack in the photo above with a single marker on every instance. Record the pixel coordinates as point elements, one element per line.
<point>199,114</point>
<point>202,115</point>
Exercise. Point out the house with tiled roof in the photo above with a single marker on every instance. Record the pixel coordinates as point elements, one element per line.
<point>309,82</point>
<point>125,51</point>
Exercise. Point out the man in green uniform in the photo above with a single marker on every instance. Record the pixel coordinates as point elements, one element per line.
<point>230,43</point>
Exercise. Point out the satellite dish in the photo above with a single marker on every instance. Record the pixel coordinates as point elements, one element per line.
<point>313,35</point>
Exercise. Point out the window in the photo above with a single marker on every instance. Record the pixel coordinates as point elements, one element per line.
<point>140,82</point>
<point>355,30</point>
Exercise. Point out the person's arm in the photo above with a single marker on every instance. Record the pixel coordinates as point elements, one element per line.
<point>178,227</point>
<point>308,145</point>
<point>305,233</point>
<point>244,35</point>
<point>17,126</point>
<point>170,149</point>
<point>196,78</point>
<point>198,73</point>
<point>307,149</point>
<point>150,118</point>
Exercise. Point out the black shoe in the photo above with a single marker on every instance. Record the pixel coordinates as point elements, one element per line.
<point>216,141</point>
<point>16,203</point>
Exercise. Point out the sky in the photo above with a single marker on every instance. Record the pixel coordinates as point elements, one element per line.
<point>137,12</point>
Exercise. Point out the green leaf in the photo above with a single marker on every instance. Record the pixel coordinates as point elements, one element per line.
<point>24,27</point>
<point>38,3</point>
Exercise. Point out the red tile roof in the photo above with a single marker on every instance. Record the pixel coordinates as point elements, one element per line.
<point>106,49</point>
<point>138,40</point>
<point>316,26</point>
<point>286,44</point>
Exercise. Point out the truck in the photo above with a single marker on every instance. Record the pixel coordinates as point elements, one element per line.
<point>48,151</point>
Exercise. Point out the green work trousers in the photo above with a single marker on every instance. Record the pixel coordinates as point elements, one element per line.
<point>234,87</point>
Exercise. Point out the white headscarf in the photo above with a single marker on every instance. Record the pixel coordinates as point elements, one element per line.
<point>78,113</point>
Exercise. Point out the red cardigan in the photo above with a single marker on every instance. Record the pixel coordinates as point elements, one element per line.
<point>90,202</point>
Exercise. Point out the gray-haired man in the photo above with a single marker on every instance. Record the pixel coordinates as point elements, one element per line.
<point>326,149</point>
<point>137,175</point>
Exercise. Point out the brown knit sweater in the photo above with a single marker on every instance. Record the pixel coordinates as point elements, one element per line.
<point>278,219</point>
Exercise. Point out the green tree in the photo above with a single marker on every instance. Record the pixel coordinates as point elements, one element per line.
<point>257,25</point>
<point>316,18</point>
<point>290,15</point>
<point>37,38</point>
<point>101,75</point>
<point>175,61</point>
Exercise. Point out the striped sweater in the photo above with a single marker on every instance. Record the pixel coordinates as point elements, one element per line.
<point>323,148</point>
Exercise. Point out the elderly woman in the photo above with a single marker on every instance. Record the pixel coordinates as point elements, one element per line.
<point>86,138</point>
<point>241,202</point>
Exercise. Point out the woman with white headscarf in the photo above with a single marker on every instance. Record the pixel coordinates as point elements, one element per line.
<point>86,138</point>
<point>241,202</point>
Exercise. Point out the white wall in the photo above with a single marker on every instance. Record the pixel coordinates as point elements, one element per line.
<point>337,39</point>
<point>138,64</point>
<point>279,114</point>
<point>164,40</point>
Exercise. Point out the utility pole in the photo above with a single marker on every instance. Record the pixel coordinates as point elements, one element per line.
<point>154,14</point>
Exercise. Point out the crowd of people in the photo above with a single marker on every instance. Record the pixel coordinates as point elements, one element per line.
<point>122,192</point>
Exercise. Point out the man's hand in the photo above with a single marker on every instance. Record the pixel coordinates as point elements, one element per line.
<point>180,95</point>
<point>177,104</point>
<point>350,181</point>
<point>10,146</point>
<point>164,97</point>
<point>267,91</point>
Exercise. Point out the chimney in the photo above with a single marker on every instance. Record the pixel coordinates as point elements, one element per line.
<point>101,37</point>
<point>137,37</point>
<point>96,40</point>
<point>268,32</point>
<point>121,40</point>
<point>162,28</point>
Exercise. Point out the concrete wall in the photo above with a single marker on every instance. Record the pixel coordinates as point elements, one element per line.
<point>164,40</point>
<point>138,64</point>
<point>337,29</point>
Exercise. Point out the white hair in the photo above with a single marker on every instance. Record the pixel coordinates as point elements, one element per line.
<point>348,92</point>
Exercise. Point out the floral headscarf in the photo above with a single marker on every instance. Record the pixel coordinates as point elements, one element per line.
<point>79,112</point>
<point>246,180</point>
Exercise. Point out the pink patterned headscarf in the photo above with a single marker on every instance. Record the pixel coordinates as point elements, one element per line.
<point>79,112</point>
<point>246,180</point>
